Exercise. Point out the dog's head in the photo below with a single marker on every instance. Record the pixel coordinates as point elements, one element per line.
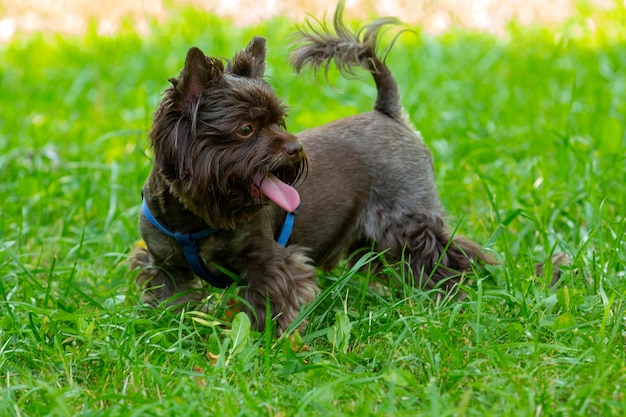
<point>220,142</point>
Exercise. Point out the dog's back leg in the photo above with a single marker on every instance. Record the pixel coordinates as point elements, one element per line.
<point>433,257</point>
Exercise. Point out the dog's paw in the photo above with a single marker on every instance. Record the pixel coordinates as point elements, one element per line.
<point>557,260</point>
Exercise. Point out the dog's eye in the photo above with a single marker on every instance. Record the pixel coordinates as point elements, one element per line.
<point>245,131</point>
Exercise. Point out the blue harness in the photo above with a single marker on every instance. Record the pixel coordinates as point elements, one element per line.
<point>188,244</point>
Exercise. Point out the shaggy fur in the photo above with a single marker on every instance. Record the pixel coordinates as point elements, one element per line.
<point>364,181</point>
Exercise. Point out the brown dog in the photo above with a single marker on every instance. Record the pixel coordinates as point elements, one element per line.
<point>222,185</point>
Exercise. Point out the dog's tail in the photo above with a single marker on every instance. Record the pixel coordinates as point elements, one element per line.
<point>318,47</point>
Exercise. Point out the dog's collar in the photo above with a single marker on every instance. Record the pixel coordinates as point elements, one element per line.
<point>187,242</point>
<point>285,232</point>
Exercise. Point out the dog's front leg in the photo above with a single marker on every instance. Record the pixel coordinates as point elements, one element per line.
<point>282,277</point>
<point>160,281</point>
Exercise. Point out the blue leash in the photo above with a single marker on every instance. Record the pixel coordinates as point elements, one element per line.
<point>187,242</point>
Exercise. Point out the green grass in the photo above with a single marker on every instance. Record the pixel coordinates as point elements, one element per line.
<point>528,133</point>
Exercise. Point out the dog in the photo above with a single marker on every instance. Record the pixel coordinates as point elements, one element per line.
<point>232,190</point>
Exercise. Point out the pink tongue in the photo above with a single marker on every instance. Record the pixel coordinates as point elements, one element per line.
<point>285,196</point>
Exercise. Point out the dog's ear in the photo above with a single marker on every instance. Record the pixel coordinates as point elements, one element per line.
<point>251,61</point>
<point>199,72</point>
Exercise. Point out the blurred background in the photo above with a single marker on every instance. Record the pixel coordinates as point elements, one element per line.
<point>435,16</point>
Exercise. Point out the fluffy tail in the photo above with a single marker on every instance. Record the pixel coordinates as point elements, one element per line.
<point>318,47</point>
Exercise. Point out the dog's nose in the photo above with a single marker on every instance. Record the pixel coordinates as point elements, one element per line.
<point>293,149</point>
